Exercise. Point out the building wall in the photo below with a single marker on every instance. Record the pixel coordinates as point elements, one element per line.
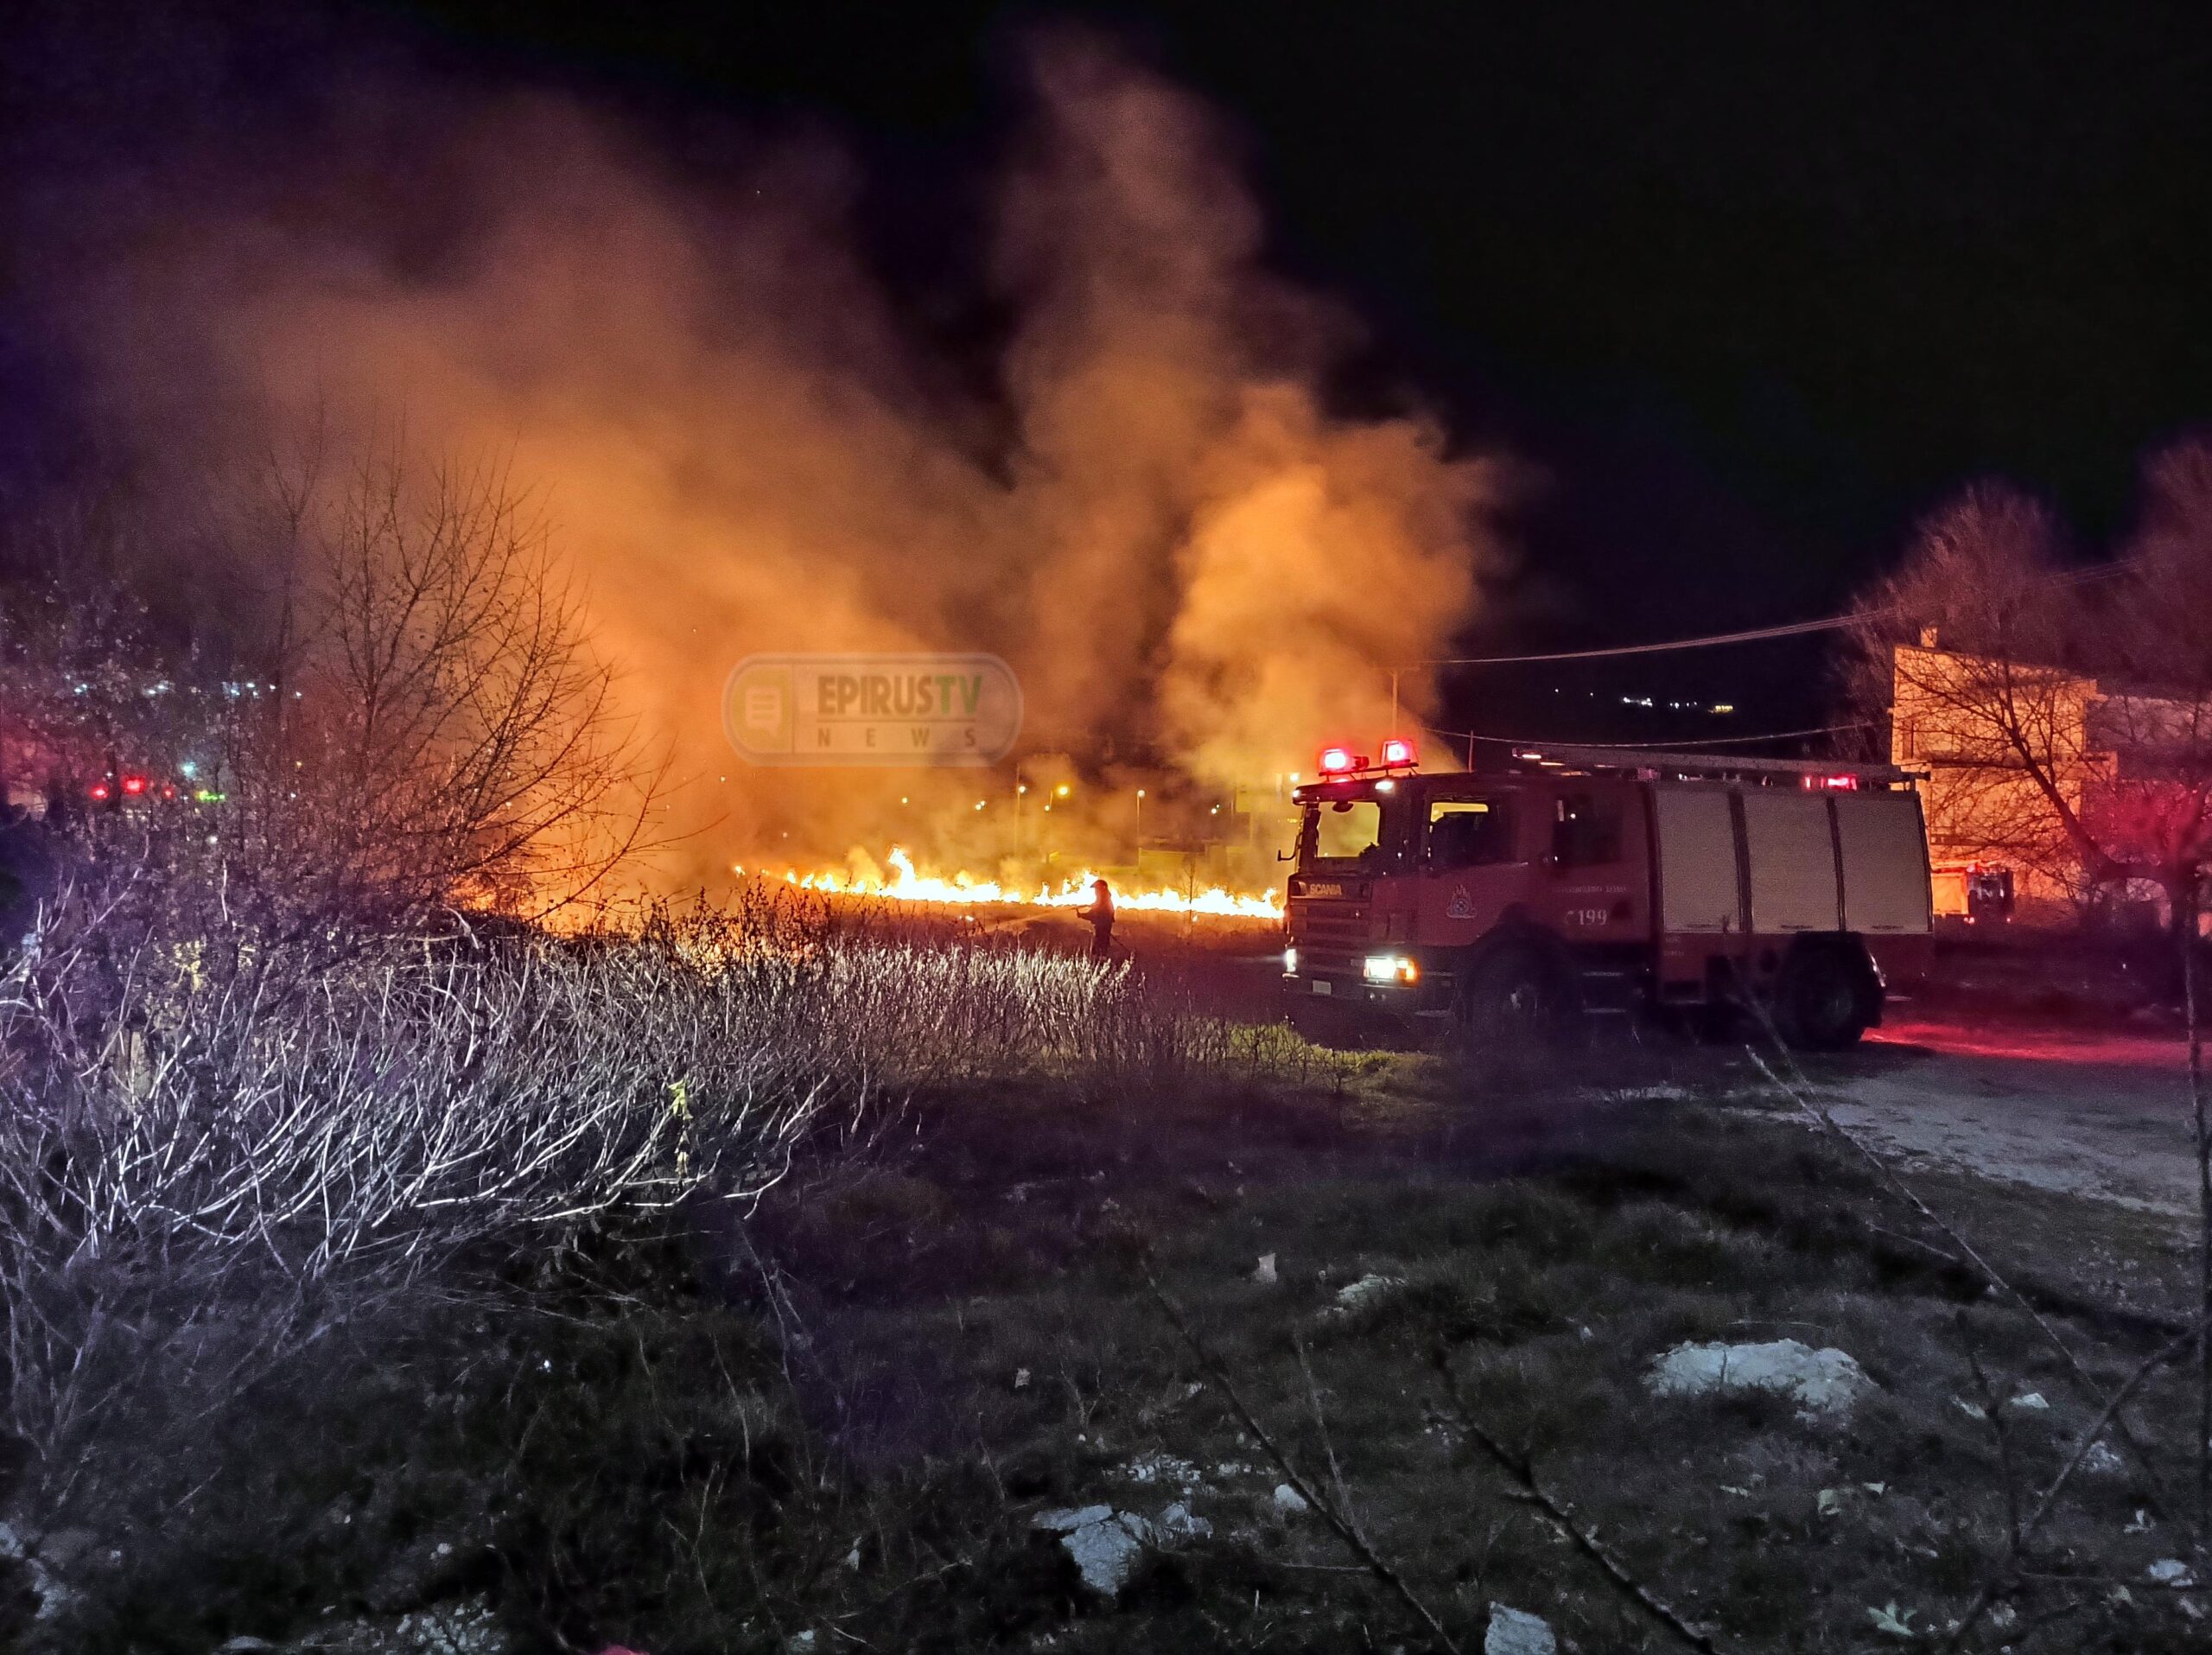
<point>1981,803</point>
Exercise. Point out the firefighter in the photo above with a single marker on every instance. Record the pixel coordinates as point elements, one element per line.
<point>1100,914</point>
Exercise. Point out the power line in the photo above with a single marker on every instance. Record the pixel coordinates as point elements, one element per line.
<point>1795,629</point>
<point>1642,746</point>
<point>1755,634</point>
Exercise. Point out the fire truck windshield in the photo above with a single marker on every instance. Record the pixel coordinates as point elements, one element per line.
<point>1342,831</point>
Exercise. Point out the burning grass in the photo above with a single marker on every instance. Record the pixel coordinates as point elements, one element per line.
<point>897,880</point>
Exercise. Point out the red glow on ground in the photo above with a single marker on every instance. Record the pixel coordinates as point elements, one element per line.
<point>2124,1048</point>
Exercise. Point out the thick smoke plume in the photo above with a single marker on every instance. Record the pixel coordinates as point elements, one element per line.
<point>741,444</point>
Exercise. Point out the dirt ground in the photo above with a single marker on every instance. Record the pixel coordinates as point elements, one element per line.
<point>2072,1112</point>
<point>898,1405</point>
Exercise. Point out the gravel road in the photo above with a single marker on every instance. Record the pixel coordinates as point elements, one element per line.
<point>2090,1113</point>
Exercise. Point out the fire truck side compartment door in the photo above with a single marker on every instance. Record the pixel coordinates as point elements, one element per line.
<point>1792,857</point>
<point>1697,860</point>
<point>1885,863</point>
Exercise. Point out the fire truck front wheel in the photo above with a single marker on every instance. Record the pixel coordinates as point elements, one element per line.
<point>1515,991</point>
<point>1826,998</point>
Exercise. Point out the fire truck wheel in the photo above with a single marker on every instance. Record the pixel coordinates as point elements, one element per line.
<point>1822,1003</point>
<point>1515,992</point>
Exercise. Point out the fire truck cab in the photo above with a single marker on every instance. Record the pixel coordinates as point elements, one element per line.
<point>1585,881</point>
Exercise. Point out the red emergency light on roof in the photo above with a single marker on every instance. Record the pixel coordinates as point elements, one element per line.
<point>1337,760</point>
<point>134,785</point>
<point>1397,752</point>
<point>99,790</point>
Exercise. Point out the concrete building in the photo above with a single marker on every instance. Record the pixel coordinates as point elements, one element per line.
<point>1997,740</point>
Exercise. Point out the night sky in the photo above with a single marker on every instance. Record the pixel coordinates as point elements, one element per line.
<point>1751,285</point>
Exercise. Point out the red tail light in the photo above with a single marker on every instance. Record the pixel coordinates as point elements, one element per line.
<point>134,785</point>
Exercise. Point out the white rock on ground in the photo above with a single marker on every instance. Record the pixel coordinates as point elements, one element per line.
<point>1161,1468</point>
<point>1290,1502</point>
<point>1106,1543</point>
<point>1369,1289</point>
<point>1178,1522</point>
<point>468,1627</point>
<point>2169,1571</point>
<point>1821,1382</point>
<point>1067,1519</point>
<point>54,1598</point>
<point>2103,1459</point>
<point>1265,1274</point>
<point>1515,1632</point>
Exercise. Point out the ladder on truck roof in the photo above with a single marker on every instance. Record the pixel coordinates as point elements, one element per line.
<point>1650,763</point>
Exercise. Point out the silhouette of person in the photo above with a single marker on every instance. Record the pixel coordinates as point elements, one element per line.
<point>1100,915</point>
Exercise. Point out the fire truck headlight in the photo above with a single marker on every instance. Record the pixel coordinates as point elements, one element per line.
<point>1391,968</point>
<point>1290,960</point>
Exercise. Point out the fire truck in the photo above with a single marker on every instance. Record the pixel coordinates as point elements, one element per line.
<point>1581,881</point>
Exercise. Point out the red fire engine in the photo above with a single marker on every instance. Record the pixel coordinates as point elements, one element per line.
<point>1578,881</point>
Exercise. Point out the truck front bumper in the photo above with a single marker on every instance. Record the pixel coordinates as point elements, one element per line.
<point>1431,996</point>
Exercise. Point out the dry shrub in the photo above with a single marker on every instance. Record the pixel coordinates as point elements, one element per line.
<point>218,1145</point>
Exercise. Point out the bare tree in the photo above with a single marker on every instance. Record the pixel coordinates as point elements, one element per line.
<point>428,724</point>
<point>2066,724</point>
<point>392,707</point>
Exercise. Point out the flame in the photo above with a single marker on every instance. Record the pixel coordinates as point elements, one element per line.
<point>907,884</point>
